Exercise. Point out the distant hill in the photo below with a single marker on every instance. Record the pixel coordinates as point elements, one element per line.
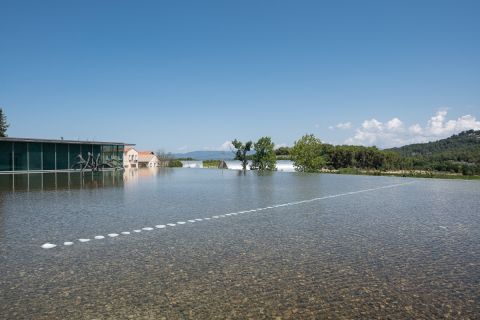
<point>462,147</point>
<point>207,155</point>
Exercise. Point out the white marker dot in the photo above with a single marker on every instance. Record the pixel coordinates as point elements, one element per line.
<point>83,240</point>
<point>181,222</point>
<point>147,229</point>
<point>171,224</point>
<point>48,245</point>
<point>191,221</point>
<point>198,219</point>
<point>99,237</point>
<point>137,230</point>
<point>68,243</point>
<point>113,235</point>
<point>160,226</point>
<point>125,232</point>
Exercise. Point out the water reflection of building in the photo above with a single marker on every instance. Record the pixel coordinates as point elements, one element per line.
<point>21,155</point>
<point>60,181</point>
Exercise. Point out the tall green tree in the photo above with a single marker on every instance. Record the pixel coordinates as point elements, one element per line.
<point>264,157</point>
<point>307,154</point>
<point>241,152</point>
<point>3,124</point>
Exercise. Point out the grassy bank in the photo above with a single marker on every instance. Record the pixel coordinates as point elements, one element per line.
<point>409,173</point>
<point>211,163</point>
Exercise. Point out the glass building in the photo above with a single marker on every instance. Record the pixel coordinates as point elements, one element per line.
<point>26,155</point>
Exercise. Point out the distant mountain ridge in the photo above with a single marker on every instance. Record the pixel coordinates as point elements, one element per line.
<point>462,147</point>
<point>207,155</point>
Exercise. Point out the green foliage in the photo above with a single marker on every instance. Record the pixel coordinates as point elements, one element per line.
<point>241,153</point>
<point>3,124</point>
<point>307,154</point>
<point>264,157</point>
<point>282,151</point>
<point>457,154</point>
<point>211,163</point>
<point>175,163</point>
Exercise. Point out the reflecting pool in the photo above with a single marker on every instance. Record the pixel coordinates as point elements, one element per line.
<point>213,244</point>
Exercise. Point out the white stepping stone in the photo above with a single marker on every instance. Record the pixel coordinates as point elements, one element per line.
<point>125,232</point>
<point>83,240</point>
<point>99,237</point>
<point>68,243</point>
<point>181,222</point>
<point>160,226</point>
<point>171,224</point>
<point>137,230</point>
<point>113,235</point>
<point>147,229</point>
<point>48,245</point>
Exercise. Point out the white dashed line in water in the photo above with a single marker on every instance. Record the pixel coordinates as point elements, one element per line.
<point>49,245</point>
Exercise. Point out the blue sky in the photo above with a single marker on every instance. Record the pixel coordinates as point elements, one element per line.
<point>182,76</point>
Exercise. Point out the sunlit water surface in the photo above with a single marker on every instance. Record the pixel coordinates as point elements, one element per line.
<point>410,250</point>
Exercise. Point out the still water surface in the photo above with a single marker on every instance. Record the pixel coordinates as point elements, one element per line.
<point>410,250</point>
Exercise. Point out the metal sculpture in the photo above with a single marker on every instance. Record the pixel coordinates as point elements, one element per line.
<point>94,164</point>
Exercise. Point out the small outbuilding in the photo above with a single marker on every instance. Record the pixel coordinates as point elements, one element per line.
<point>148,159</point>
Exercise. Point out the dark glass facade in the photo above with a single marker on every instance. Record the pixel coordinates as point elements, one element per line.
<point>50,156</point>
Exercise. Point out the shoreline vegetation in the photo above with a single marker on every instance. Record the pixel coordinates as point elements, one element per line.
<point>213,164</point>
<point>456,157</point>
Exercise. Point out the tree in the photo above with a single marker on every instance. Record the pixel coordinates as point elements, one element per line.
<point>307,154</point>
<point>3,124</point>
<point>241,153</point>
<point>264,157</point>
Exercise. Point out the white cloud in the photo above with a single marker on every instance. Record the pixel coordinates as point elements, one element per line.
<point>415,129</point>
<point>226,146</point>
<point>341,126</point>
<point>395,125</point>
<point>393,133</point>
<point>372,124</point>
<point>344,126</point>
